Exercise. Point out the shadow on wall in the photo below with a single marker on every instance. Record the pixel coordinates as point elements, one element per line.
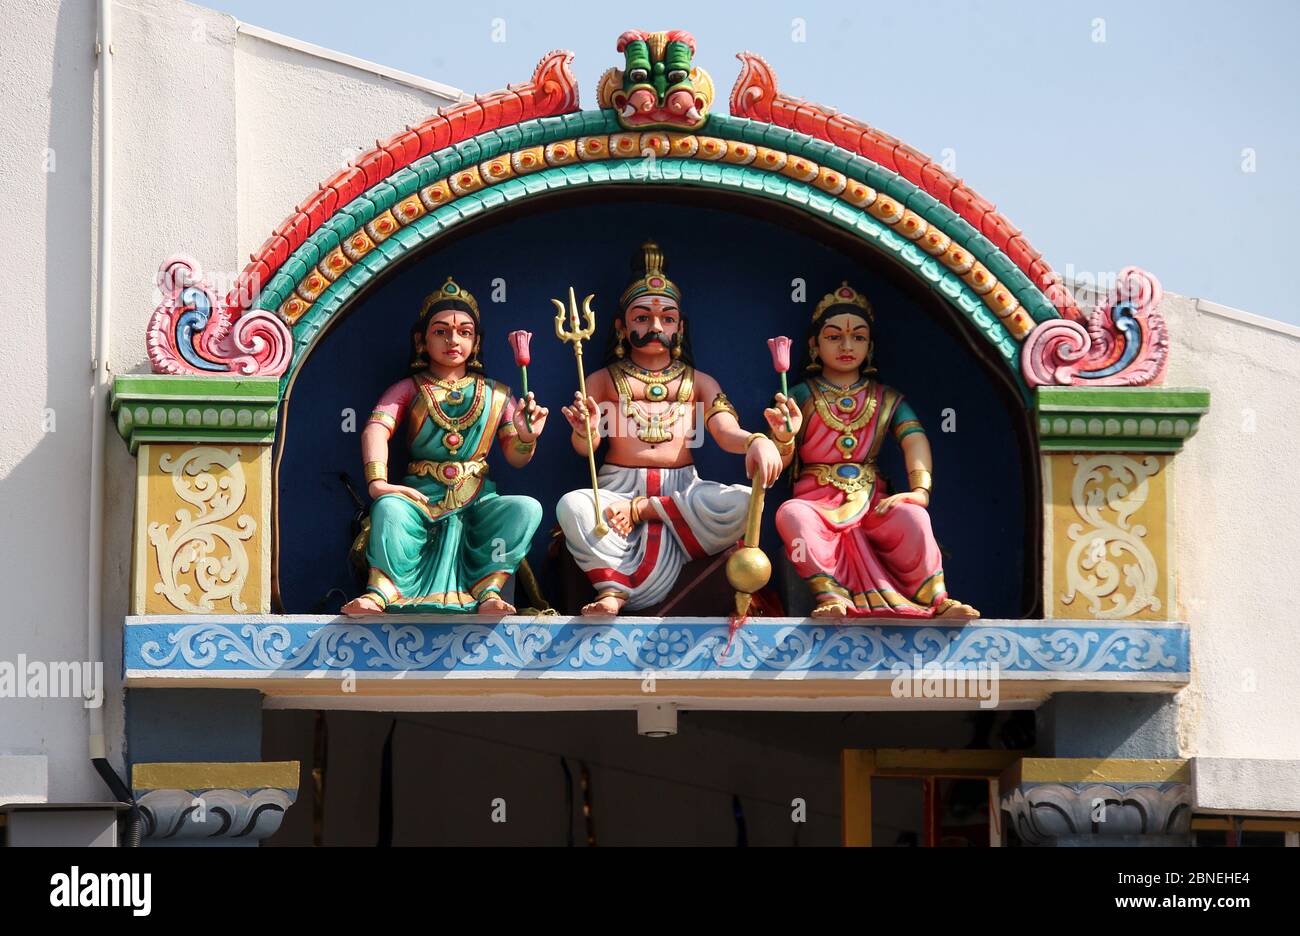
<point>523,778</point>
<point>737,276</point>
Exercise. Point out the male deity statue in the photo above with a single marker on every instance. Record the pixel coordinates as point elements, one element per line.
<point>660,513</point>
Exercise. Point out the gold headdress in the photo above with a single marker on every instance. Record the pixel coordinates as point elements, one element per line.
<point>450,296</point>
<point>845,295</point>
<point>649,267</point>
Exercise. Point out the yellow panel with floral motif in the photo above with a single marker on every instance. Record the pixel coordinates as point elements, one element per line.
<point>1106,553</point>
<point>202,536</point>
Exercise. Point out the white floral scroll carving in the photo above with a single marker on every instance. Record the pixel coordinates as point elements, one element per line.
<point>1110,565</point>
<point>209,540</point>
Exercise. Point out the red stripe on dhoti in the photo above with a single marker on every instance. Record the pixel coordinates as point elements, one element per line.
<point>651,557</point>
<point>672,513</point>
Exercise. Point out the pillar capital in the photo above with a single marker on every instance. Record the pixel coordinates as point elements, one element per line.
<point>1098,801</point>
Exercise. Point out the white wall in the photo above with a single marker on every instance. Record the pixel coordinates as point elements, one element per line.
<point>221,131</point>
<point>46,112</point>
<point>1238,522</point>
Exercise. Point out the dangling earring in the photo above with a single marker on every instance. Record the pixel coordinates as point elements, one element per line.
<point>419,360</point>
<point>677,346</point>
<point>814,362</point>
<point>619,350</point>
<point>871,353</point>
<point>476,363</point>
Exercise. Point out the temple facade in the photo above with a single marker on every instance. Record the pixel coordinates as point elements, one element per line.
<point>189,520</point>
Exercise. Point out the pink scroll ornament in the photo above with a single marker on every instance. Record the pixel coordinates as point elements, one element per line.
<point>1125,343</point>
<point>191,332</point>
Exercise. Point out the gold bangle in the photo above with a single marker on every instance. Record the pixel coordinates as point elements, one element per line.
<point>920,479</point>
<point>376,471</point>
<point>752,437</point>
<point>524,448</point>
<point>784,448</point>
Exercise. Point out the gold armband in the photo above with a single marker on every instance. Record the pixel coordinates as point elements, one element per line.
<point>376,471</point>
<point>720,405</point>
<point>920,479</point>
<point>379,416</point>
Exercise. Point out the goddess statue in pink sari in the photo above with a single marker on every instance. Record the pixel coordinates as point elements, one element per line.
<point>862,551</point>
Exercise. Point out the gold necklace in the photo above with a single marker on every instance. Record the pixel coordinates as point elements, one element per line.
<point>454,388</point>
<point>651,427</point>
<point>654,380</point>
<point>454,426</point>
<point>847,400</point>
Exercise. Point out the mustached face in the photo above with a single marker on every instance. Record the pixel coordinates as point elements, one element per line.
<point>450,338</point>
<point>652,321</point>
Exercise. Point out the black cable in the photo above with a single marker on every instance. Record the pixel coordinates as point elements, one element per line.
<point>568,801</point>
<point>386,791</point>
<point>135,822</point>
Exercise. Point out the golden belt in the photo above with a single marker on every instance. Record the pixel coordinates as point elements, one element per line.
<point>453,474</point>
<point>449,472</point>
<point>849,477</point>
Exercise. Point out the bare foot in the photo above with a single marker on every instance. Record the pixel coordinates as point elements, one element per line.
<point>831,609</point>
<point>953,609</point>
<point>606,604</point>
<point>494,604</point>
<point>364,604</point>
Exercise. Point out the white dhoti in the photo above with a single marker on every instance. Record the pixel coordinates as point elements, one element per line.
<point>697,518</point>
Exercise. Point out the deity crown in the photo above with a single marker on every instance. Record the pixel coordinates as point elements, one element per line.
<point>845,295</point>
<point>649,265</point>
<point>450,296</point>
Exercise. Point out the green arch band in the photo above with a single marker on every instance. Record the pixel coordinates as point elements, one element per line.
<point>711,174</point>
<point>444,163</point>
<point>948,285</point>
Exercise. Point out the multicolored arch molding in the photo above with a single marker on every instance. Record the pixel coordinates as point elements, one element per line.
<point>531,139</point>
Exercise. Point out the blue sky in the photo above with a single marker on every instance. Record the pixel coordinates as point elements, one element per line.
<point>1150,132</point>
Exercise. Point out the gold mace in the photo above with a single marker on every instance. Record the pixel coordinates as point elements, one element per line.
<point>748,568</point>
<point>577,332</point>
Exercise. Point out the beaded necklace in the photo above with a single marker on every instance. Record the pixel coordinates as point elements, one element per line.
<point>839,409</point>
<point>453,426</point>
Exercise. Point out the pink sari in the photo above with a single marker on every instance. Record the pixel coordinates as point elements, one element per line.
<point>882,566</point>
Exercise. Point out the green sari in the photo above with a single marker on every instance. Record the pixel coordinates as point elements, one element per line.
<point>450,553</point>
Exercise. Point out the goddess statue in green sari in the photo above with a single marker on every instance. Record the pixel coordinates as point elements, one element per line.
<point>444,540</point>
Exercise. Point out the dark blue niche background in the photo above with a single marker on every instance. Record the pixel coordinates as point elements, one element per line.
<point>735,271</point>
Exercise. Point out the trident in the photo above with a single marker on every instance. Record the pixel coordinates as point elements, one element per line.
<point>576,334</point>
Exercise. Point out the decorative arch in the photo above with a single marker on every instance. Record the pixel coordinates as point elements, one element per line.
<point>531,139</point>
<point>206,433</point>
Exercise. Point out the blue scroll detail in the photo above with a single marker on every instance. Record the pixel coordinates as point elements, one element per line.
<point>688,647</point>
<point>1128,325</point>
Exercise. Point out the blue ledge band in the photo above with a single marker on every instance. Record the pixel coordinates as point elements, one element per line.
<point>280,647</point>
